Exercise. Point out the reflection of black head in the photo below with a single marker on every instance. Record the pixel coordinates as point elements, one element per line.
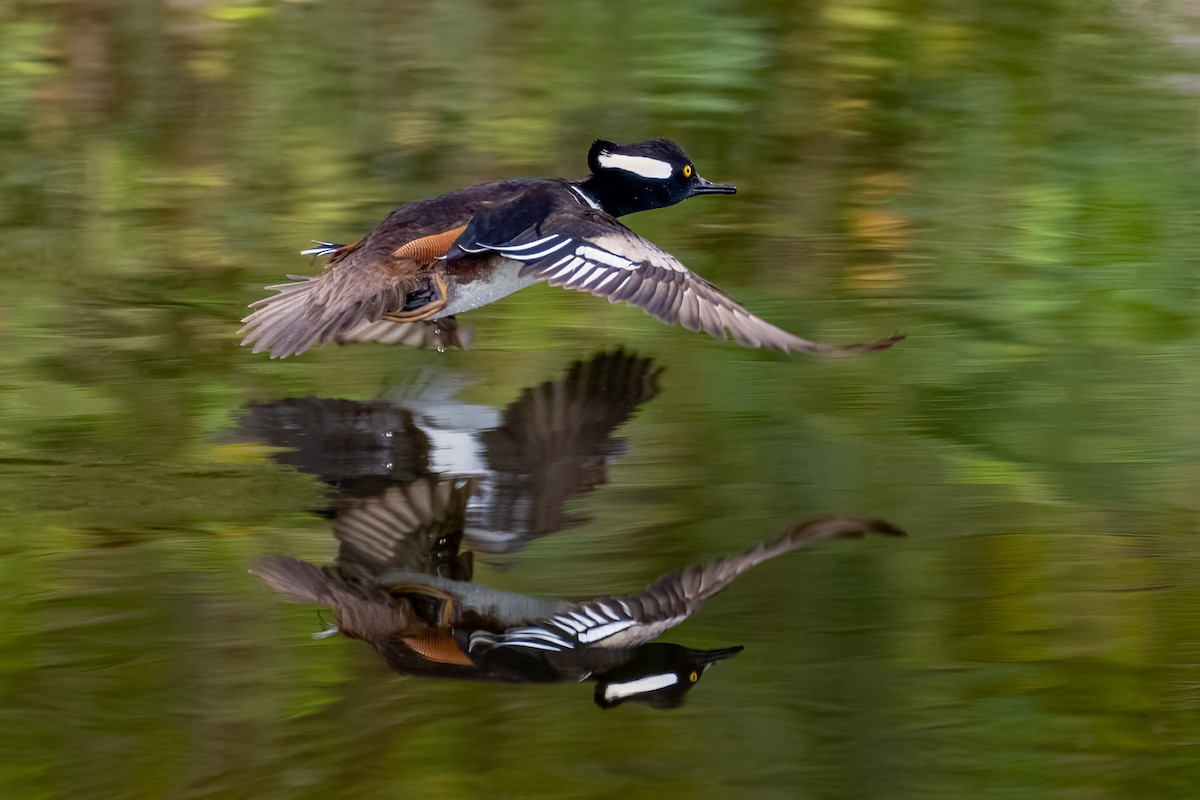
<point>659,675</point>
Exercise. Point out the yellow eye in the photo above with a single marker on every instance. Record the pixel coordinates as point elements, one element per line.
<point>687,170</point>
<point>694,676</point>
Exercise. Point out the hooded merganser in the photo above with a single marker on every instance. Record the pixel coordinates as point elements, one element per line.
<point>525,462</point>
<point>432,259</point>
<point>401,584</point>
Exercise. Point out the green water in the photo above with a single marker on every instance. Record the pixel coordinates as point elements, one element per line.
<point>1012,185</point>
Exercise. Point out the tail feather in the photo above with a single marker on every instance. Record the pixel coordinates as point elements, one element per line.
<point>322,248</point>
<point>301,581</point>
<point>280,323</point>
<point>298,316</point>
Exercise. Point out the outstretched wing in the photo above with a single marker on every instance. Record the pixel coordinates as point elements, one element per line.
<point>606,259</point>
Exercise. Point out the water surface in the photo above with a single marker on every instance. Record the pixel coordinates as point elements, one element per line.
<point>1011,185</point>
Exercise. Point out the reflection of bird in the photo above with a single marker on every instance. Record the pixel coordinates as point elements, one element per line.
<point>402,584</point>
<point>526,462</point>
<point>430,260</point>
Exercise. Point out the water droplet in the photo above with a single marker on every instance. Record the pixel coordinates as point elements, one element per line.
<point>441,348</point>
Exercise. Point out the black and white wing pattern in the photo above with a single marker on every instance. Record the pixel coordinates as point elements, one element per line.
<point>606,259</point>
<point>634,619</point>
<point>617,622</point>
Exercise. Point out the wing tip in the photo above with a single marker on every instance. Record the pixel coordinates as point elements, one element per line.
<point>839,526</point>
<point>796,344</point>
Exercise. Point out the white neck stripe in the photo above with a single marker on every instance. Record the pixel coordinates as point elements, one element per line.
<point>587,198</point>
<point>639,165</point>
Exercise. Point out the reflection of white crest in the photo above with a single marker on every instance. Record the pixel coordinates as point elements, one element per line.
<point>639,165</point>
<point>650,683</point>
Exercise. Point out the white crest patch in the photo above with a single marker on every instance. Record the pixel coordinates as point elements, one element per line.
<point>638,165</point>
<point>650,683</point>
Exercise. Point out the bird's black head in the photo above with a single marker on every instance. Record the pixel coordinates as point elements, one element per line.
<point>636,177</point>
<point>659,675</point>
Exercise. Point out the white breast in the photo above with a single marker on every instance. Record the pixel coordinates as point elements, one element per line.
<point>501,282</point>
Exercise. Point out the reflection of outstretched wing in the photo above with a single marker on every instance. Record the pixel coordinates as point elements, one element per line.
<point>553,443</point>
<point>633,619</point>
<point>415,528</point>
<point>341,441</point>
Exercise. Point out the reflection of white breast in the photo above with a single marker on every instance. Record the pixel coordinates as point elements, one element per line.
<point>454,430</point>
<point>500,282</point>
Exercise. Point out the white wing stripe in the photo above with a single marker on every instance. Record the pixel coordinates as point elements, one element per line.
<point>596,274</point>
<point>479,638</point>
<point>575,626</point>
<point>530,645</point>
<point>513,248</point>
<point>540,253</point>
<point>603,257</point>
<point>539,633</point>
<point>605,631</point>
<point>611,275</point>
<point>575,262</point>
<point>584,270</point>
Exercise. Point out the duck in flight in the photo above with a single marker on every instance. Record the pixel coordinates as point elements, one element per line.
<point>429,260</point>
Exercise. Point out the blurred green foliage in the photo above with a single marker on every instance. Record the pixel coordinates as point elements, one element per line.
<point>1013,185</point>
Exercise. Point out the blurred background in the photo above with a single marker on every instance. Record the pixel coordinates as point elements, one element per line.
<point>1013,185</point>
